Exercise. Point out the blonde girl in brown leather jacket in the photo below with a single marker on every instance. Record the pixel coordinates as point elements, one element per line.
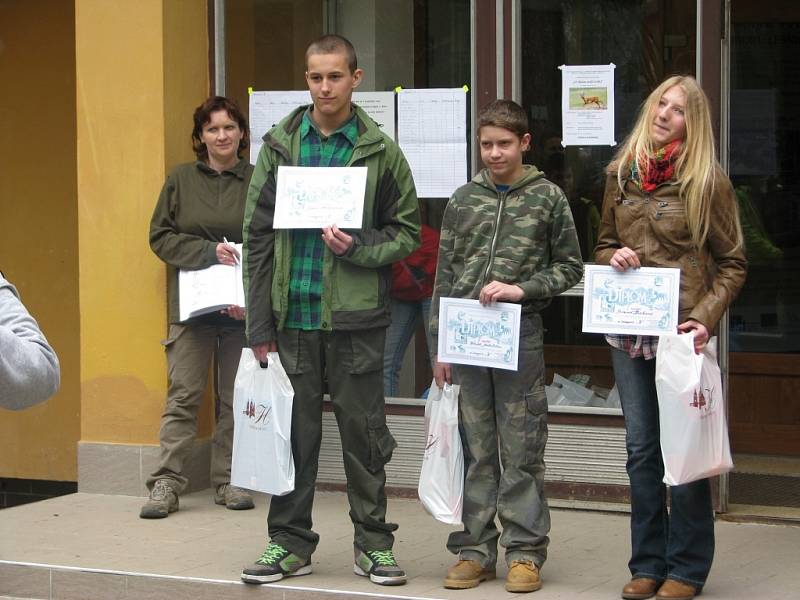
<point>668,203</point>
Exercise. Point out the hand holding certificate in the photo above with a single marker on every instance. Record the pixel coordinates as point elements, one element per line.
<point>640,301</point>
<point>316,197</point>
<point>472,334</point>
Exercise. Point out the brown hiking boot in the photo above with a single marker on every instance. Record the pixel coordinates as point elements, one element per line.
<point>467,574</point>
<point>523,576</point>
<point>234,498</point>
<point>162,501</point>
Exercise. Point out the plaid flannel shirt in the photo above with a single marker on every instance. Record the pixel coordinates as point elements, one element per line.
<point>636,346</point>
<point>308,249</point>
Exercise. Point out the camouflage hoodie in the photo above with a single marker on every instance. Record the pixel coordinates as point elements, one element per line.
<point>524,236</point>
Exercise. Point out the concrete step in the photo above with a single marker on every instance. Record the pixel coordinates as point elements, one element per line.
<point>95,547</point>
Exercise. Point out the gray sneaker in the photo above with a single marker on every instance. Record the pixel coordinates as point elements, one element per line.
<point>274,564</point>
<point>234,498</point>
<point>162,501</point>
<point>379,565</point>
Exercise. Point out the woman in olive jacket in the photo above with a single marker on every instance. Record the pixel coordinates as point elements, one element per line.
<point>199,211</point>
<point>667,203</point>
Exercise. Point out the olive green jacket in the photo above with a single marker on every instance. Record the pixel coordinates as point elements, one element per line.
<point>356,285</point>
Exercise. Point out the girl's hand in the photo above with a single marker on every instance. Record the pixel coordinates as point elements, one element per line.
<point>624,259</point>
<point>700,333</point>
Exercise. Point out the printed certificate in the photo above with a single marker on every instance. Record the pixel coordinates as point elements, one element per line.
<point>484,336</point>
<point>315,197</point>
<point>640,301</point>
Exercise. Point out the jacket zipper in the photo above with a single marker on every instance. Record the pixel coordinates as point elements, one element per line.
<point>501,201</point>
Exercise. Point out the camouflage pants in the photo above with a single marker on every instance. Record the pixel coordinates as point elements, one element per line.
<point>503,419</point>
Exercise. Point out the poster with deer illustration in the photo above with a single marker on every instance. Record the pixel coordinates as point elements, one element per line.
<point>587,105</point>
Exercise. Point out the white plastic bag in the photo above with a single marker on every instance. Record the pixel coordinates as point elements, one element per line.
<point>262,415</point>
<point>441,480</point>
<point>694,434</point>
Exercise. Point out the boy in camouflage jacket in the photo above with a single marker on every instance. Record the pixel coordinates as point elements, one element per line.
<point>508,235</point>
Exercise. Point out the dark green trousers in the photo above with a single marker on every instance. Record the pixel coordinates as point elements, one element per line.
<point>352,362</point>
<point>503,421</point>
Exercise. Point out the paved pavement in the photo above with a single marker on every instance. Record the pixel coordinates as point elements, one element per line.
<point>97,536</point>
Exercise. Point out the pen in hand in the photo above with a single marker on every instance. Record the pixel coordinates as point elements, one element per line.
<point>235,253</point>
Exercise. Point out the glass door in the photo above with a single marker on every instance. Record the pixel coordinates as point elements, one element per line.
<point>764,322</point>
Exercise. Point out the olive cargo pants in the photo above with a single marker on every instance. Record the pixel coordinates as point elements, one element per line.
<point>353,364</point>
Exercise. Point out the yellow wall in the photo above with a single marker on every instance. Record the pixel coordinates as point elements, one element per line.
<point>142,67</point>
<point>38,214</point>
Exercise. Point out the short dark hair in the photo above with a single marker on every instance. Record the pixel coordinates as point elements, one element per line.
<point>506,114</point>
<point>334,44</point>
<point>202,115</point>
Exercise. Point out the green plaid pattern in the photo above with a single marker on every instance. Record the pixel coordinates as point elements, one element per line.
<point>308,249</point>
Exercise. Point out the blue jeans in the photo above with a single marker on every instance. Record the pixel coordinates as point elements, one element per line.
<point>405,316</point>
<point>678,544</point>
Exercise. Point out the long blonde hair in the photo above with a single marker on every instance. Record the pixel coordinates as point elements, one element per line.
<point>696,162</point>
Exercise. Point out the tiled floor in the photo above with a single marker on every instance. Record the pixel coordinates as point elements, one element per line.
<point>203,548</point>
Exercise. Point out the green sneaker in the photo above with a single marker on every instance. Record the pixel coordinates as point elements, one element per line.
<point>379,565</point>
<point>274,564</point>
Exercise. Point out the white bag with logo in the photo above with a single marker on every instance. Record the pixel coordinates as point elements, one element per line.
<point>262,416</point>
<point>441,480</point>
<point>694,434</point>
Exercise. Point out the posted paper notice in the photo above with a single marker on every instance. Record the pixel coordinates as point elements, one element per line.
<point>269,107</point>
<point>587,105</point>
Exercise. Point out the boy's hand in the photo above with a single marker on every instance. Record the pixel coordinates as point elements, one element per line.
<point>337,240</point>
<point>260,350</point>
<point>497,291</point>
<point>441,373</point>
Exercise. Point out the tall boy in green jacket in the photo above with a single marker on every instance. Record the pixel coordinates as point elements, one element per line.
<point>321,299</point>
<point>508,235</point>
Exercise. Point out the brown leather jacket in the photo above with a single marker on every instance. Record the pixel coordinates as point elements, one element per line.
<point>654,226</point>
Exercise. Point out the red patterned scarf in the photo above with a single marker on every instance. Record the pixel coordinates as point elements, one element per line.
<point>659,168</point>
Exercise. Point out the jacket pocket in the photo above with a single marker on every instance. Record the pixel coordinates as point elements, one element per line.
<point>506,270</point>
<point>381,442</point>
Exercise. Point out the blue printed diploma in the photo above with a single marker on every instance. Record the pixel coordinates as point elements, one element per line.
<point>640,301</point>
<point>472,334</point>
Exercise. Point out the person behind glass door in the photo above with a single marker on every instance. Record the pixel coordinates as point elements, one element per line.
<point>667,203</point>
<point>412,288</point>
<point>199,210</point>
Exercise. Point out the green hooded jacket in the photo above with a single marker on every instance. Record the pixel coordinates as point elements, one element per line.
<point>523,236</point>
<point>356,285</point>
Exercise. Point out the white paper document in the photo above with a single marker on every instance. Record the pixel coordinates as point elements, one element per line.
<point>380,107</point>
<point>314,197</point>
<point>432,133</point>
<point>211,289</point>
<point>268,108</point>
<point>640,301</point>
<point>587,105</point>
<point>473,334</point>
